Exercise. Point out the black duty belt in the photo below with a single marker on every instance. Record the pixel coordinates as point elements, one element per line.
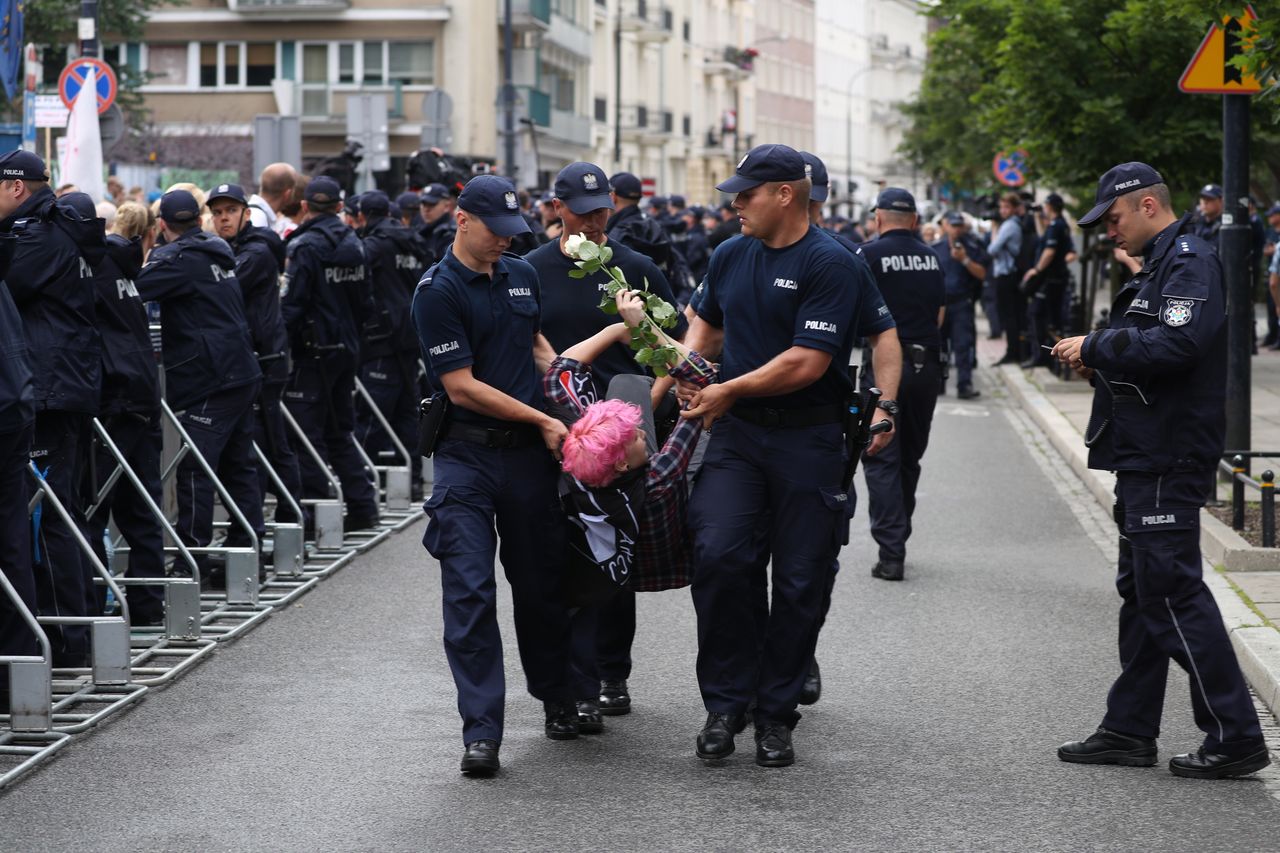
<point>816,416</point>
<point>955,300</point>
<point>500,439</point>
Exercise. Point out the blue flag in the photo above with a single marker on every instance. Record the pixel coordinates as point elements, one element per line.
<point>11,46</point>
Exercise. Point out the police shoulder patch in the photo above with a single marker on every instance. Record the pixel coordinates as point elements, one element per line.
<point>1185,247</point>
<point>1177,312</point>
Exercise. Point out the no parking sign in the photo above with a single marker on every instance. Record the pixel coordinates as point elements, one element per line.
<point>72,80</point>
<point>1010,167</point>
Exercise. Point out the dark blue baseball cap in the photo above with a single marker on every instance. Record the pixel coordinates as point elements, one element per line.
<point>955,217</point>
<point>493,199</point>
<point>408,203</point>
<point>22,165</point>
<point>1118,181</point>
<point>818,174</point>
<point>1273,209</point>
<point>179,207</point>
<point>583,187</point>
<point>81,203</point>
<point>351,204</point>
<point>658,201</point>
<point>235,192</point>
<point>375,203</point>
<point>765,164</point>
<point>434,194</point>
<point>322,190</point>
<point>626,185</point>
<point>677,201</point>
<point>896,199</point>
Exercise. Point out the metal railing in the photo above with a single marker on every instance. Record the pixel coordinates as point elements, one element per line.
<point>1238,471</point>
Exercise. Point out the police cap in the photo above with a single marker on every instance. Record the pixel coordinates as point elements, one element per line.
<point>179,207</point>
<point>22,165</point>
<point>353,204</point>
<point>658,201</point>
<point>493,199</point>
<point>896,199</point>
<point>434,194</point>
<point>232,191</point>
<point>1211,191</point>
<point>1273,209</point>
<point>1118,181</point>
<point>818,174</point>
<point>583,188</point>
<point>408,203</point>
<point>81,203</point>
<point>955,217</point>
<point>322,190</point>
<point>375,203</point>
<point>677,201</point>
<point>765,164</point>
<point>626,185</point>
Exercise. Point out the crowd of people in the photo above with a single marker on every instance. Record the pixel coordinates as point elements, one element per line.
<point>591,473</point>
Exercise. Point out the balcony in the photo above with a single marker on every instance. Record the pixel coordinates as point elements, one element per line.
<point>527,15</point>
<point>570,127</point>
<point>275,7</point>
<point>569,36</point>
<point>648,23</point>
<point>533,104</point>
<point>732,63</point>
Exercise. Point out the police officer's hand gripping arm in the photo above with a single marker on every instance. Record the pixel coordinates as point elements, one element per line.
<point>886,362</point>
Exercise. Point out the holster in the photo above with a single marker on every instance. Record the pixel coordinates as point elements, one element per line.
<point>432,414</point>
<point>918,355</point>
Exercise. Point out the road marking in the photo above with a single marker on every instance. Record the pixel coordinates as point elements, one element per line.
<point>963,411</point>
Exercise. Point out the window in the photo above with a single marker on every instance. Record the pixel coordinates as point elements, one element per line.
<point>260,65</point>
<point>686,125</point>
<point>231,64</point>
<point>686,30</point>
<point>374,70</point>
<point>411,63</point>
<point>562,94</point>
<point>167,64</point>
<point>346,62</point>
<point>602,109</point>
<point>642,116</point>
<point>668,121</point>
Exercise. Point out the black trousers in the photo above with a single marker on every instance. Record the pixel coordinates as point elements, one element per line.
<point>15,546</point>
<point>63,575</point>
<point>893,474</point>
<point>272,435</point>
<point>396,393</point>
<point>1012,307</point>
<point>138,439</point>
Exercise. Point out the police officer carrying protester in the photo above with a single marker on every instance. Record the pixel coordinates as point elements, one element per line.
<point>779,309</point>
<point>570,314</point>
<point>259,261</point>
<point>211,376</point>
<point>910,278</point>
<point>17,416</point>
<point>964,268</point>
<point>51,282</point>
<point>389,351</point>
<point>130,413</point>
<point>1159,375</point>
<point>477,317</point>
<point>327,302</point>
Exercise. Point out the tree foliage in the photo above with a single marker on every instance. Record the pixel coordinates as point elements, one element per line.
<point>1080,85</point>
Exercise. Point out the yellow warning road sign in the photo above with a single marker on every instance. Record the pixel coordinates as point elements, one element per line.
<point>1210,70</point>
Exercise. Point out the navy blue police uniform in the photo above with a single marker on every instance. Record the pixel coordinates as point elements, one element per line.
<point>51,282</point>
<point>1047,305</point>
<point>17,417</point>
<point>211,375</point>
<point>1158,421</point>
<point>327,301</point>
<point>772,462</point>
<point>389,369</point>
<point>130,412</point>
<point>571,313</point>
<point>438,233</point>
<point>910,279</point>
<point>260,258</point>
<point>1203,227</point>
<point>491,472</point>
<point>962,288</point>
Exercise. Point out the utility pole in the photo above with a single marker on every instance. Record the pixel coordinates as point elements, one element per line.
<point>508,94</point>
<point>1233,246</point>
<point>88,28</point>
<point>617,90</point>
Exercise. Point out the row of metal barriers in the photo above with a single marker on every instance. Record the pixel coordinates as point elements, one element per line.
<point>50,706</point>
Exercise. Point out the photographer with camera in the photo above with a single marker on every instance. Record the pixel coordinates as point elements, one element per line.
<point>1045,284</point>
<point>964,267</point>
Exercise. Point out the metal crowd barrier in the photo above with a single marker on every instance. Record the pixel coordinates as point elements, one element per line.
<point>49,706</point>
<point>1238,472</point>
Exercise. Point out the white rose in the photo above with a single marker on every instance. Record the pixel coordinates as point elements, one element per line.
<point>574,244</point>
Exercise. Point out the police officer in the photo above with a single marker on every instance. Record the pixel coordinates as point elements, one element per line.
<point>1208,219</point>
<point>629,226</point>
<point>910,279</point>
<point>407,205</point>
<point>1045,284</point>
<point>477,317</point>
<point>389,352</point>
<point>436,206</point>
<point>1159,378</point>
<point>327,301</point>
<point>211,375</point>
<point>259,261</point>
<point>17,415</point>
<point>964,268</point>
<point>570,314</point>
<point>130,413</point>
<point>51,282</point>
<point>779,309</point>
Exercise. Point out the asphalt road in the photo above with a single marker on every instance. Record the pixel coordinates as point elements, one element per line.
<point>333,726</point>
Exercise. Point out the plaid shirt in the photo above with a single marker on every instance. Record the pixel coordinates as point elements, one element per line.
<point>664,550</point>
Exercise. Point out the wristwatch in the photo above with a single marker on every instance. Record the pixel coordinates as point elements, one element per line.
<point>890,406</point>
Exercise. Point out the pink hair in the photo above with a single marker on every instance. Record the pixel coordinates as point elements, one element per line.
<point>598,441</point>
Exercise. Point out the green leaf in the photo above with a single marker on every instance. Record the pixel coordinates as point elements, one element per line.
<point>608,306</point>
<point>590,251</point>
<point>606,254</point>
<point>618,275</point>
<point>644,356</point>
<point>577,274</point>
<point>659,370</point>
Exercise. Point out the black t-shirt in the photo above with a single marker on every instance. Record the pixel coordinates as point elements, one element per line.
<point>570,306</point>
<point>910,279</point>
<point>1058,237</point>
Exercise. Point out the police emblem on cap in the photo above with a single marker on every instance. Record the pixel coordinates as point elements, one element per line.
<point>589,181</point>
<point>1177,312</point>
<point>510,199</point>
<point>808,170</point>
<point>223,188</point>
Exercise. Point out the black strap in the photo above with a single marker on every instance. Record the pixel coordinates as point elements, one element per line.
<point>499,439</point>
<point>815,416</point>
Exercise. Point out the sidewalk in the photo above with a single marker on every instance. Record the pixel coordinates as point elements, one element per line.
<point>1247,582</point>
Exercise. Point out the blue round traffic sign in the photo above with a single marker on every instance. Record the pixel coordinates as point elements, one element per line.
<point>73,76</point>
<point>1010,168</point>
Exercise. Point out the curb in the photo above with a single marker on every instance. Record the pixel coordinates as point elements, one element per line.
<point>1257,648</point>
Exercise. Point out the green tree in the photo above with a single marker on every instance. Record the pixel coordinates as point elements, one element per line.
<point>1080,85</point>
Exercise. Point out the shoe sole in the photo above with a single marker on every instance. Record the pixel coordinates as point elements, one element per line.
<point>705,757</point>
<point>590,728</point>
<point>1115,757</point>
<point>810,700</point>
<point>1243,767</point>
<point>479,769</point>
<point>562,735</point>
<point>775,762</point>
<point>615,712</point>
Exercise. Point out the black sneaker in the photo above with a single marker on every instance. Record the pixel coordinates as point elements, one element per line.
<point>1107,747</point>
<point>773,745</point>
